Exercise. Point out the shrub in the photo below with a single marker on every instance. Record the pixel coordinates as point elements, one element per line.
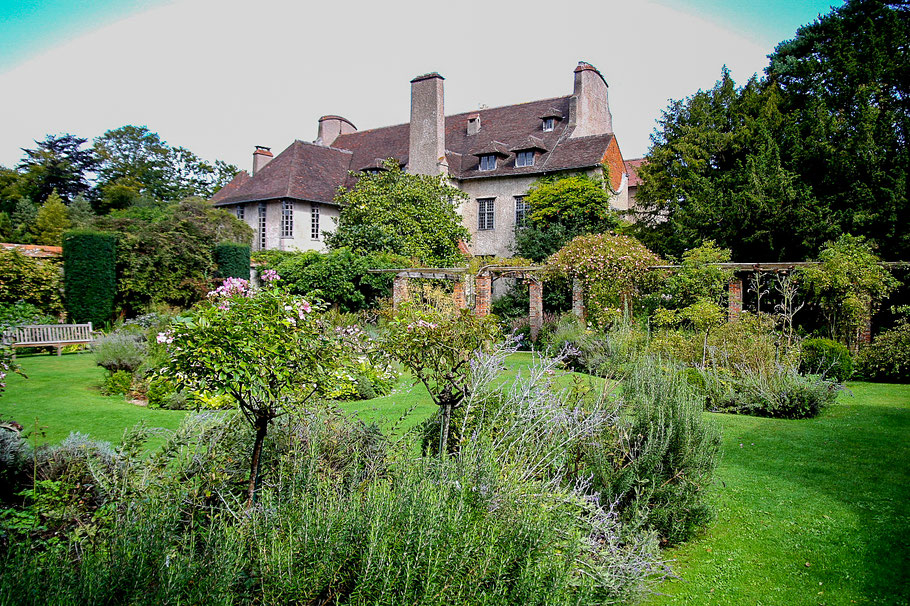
<point>233,260</point>
<point>19,314</point>
<point>666,454</point>
<point>781,393</point>
<point>90,275</point>
<point>33,281</point>
<point>827,358</point>
<point>888,357</point>
<point>120,351</point>
<point>117,383</point>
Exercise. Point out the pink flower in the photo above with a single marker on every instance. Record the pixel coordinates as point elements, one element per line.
<point>165,337</point>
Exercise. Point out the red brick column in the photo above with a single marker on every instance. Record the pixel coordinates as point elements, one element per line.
<point>578,299</point>
<point>865,330</point>
<point>535,313</point>
<point>735,300</point>
<point>458,295</point>
<point>399,291</point>
<point>483,286</point>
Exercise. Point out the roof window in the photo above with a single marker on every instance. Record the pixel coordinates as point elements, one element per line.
<point>549,124</point>
<point>488,162</point>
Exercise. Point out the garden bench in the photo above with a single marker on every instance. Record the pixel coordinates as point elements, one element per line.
<point>49,335</point>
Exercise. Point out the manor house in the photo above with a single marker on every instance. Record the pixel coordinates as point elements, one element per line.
<point>494,155</point>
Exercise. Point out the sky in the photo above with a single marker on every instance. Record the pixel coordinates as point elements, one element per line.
<point>222,76</point>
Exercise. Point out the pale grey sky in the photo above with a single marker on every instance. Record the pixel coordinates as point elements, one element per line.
<point>220,76</point>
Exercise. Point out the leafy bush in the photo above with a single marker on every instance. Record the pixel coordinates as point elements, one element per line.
<point>90,275</point>
<point>827,358</point>
<point>782,393</point>
<point>33,281</point>
<point>19,314</point>
<point>887,358</point>
<point>666,454</point>
<point>232,260</point>
<point>120,351</point>
<point>117,383</point>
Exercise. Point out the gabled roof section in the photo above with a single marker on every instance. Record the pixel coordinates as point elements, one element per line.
<point>228,190</point>
<point>303,171</point>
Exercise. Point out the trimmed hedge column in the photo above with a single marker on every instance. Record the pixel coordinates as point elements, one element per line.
<point>89,276</point>
<point>233,260</point>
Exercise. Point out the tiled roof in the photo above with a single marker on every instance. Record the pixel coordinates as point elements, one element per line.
<point>36,251</point>
<point>632,170</point>
<point>228,190</point>
<point>312,172</point>
<point>304,171</point>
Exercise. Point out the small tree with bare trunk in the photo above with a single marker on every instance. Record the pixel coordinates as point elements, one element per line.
<point>265,348</point>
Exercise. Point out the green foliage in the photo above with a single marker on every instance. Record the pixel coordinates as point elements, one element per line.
<point>80,212</point>
<point>120,351</point>
<point>232,260</point>
<point>51,221</point>
<point>698,278</point>
<point>117,383</point>
<point>436,343</point>
<point>613,270</point>
<point>23,218</point>
<point>668,453</point>
<point>18,314</point>
<point>887,358</point>
<point>846,285</point>
<point>339,277</point>
<point>391,211</point>
<point>90,275</point>
<point>581,204</point>
<point>827,358</point>
<point>6,227</point>
<point>165,252</point>
<point>57,164</point>
<point>33,281</point>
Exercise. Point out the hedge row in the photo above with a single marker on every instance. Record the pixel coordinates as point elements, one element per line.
<point>89,275</point>
<point>233,260</point>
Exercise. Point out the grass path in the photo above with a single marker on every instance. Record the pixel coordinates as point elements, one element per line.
<point>63,394</point>
<point>808,512</point>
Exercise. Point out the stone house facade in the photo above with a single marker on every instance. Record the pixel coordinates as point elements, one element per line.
<point>494,155</point>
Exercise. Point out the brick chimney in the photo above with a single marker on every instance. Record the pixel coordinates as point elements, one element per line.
<point>261,157</point>
<point>332,126</point>
<point>426,147</point>
<point>589,108</point>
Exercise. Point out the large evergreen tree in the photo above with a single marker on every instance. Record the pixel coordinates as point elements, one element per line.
<point>59,163</point>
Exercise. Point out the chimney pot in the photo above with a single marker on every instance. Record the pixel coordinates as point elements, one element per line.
<point>262,155</point>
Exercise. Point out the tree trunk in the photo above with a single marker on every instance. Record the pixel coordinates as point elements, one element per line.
<point>262,426</point>
<point>444,429</point>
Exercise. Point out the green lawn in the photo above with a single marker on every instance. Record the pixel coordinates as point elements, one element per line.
<point>63,394</point>
<point>808,512</point>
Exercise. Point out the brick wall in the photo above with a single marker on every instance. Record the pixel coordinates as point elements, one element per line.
<point>484,295</point>
<point>735,300</point>
<point>535,313</point>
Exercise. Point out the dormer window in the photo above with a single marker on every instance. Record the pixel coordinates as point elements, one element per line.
<point>549,124</point>
<point>488,162</point>
<point>524,158</point>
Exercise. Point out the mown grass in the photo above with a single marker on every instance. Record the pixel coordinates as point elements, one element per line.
<point>808,512</point>
<point>830,492</point>
<point>63,394</point>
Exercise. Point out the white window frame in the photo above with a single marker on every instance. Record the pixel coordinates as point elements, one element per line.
<point>487,162</point>
<point>486,214</point>
<point>240,211</point>
<point>314,222</point>
<point>548,124</point>
<point>287,219</point>
<point>261,225</point>
<point>521,211</point>
<point>524,158</point>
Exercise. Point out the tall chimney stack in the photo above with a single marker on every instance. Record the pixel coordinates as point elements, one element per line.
<point>427,143</point>
<point>589,108</point>
<point>261,157</point>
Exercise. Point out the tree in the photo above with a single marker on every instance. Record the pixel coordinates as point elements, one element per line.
<point>414,216</point>
<point>80,212</point>
<point>134,160</point>
<point>56,164</point>
<point>51,221</point>
<point>267,349</point>
<point>24,216</point>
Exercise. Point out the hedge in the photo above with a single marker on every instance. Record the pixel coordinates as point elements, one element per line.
<point>233,260</point>
<point>89,275</point>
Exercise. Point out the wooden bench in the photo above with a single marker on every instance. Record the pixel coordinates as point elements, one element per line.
<point>49,335</point>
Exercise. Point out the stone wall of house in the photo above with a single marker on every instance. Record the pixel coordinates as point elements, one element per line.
<point>302,231</point>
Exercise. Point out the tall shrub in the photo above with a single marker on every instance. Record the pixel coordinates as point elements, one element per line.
<point>90,275</point>
<point>233,260</point>
<point>32,281</point>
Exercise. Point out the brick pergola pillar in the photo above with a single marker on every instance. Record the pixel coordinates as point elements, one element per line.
<point>458,295</point>
<point>735,300</point>
<point>865,330</point>
<point>578,299</point>
<point>535,313</point>
<point>399,291</point>
<point>483,286</point>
